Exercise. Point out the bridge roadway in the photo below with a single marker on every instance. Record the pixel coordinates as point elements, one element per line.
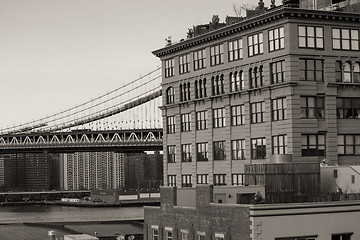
<point>135,140</point>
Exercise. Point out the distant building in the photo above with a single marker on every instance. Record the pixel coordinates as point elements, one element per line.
<point>340,179</point>
<point>31,171</point>
<point>88,170</point>
<point>143,170</point>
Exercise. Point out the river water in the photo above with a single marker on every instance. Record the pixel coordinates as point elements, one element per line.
<point>46,213</point>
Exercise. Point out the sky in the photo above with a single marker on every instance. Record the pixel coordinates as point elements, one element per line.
<point>56,54</point>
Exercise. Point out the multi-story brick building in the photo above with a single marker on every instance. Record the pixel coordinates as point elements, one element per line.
<point>280,86</point>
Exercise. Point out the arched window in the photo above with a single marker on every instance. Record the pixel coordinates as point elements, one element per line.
<point>200,88</point>
<point>185,92</point>
<point>232,81</point>
<point>196,89</point>
<point>213,86</point>
<point>256,78</point>
<point>261,76</point>
<point>217,84</point>
<point>170,95</point>
<point>241,80</point>
<point>347,72</point>
<point>356,73</point>
<point>251,80</point>
<point>181,93</point>
<point>338,71</point>
<point>204,88</point>
<point>222,83</point>
<point>188,91</point>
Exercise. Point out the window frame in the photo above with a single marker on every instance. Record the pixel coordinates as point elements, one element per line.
<point>219,150</point>
<point>309,149</point>
<point>307,37</point>
<point>276,43</point>
<point>202,179</point>
<point>169,67</point>
<point>258,153</point>
<point>235,53</point>
<point>217,54</point>
<point>171,153</point>
<point>318,108</point>
<point>238,149</point>
<point>171,180</point>
<point>185,122</point>
<point>219,179</point>
<point>186,152</point>
<point>237,115</point>
<point>278,109</point>
<point>342,39</point>
<point>257,115</point>
<point>186,180</point>
<point>219,117</point>
<point>201,120</point>
<point>313,69</point>
<point>255,48</point>
<point>277,75</point>
<point>184,63</point>
<point>279,144</point>
<point>202,152</point>
<point>171,124</point>
<point>199,59</point>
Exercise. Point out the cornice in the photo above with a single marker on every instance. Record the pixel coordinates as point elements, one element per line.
<point>256,21</point>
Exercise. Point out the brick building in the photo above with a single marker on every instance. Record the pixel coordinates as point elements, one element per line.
<point>280,86</point>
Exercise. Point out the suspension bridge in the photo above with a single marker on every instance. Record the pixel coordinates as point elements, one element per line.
<point>126,119</point>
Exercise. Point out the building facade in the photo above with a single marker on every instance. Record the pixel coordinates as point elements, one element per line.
<point>281,86</point>
<point>88,170</point>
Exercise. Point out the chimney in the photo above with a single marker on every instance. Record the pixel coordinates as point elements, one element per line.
<point>204,195</point>
<point>168,196</point>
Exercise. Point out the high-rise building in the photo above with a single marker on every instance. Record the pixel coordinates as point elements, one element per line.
<point>280,86</point>
<point>30,171</point>
<point>88,170</point>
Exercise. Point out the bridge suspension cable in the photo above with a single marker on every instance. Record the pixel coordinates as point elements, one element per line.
<point>130,95</point>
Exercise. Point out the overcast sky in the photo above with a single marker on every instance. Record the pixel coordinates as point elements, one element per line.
<point>55,54</point>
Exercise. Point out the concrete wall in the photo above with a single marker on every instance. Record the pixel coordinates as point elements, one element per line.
<point>330,184</point>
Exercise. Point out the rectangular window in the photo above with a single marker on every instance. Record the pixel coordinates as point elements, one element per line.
<point>184,63</point>
<point>171,180</point>
<point>200,235</point>
<point>348,108</point>
<point>311,70</point>
<point>170,124</point>
<point>278,109</point>
<point>237,115</point>
<point>219,150</point>
<point>155,232</point>
<point>186,122</point>
<point>277,72</point>
<point>217,55</point>
<point>184,234</point>
<point>199,59</point>
<point>348,145</point>
<point>276,39</point>
<point>279,144</point>
<point>311,37</point>
<point>238,149</point>
<point>169,67</point>
<point>219,236</point>
<point>186,152</point>
<point>169,233</point>
<point>235,50</point>
<point>352,179</point>
<point>201,120</point>
<point>186,180</point>
<point>345,39</point>
<point>312,107</point>
<point>171,154</point>
<point>258,148</point>
<point>313,145</point>
<point>202,179</point>
<point>219,118</point>
<point>257,112</point>
<point>202,152</point>
<point>256,45</point>
<point>335,173</point>
<point>237,179</point>
<point>341,236</point>
<point>219,179</point>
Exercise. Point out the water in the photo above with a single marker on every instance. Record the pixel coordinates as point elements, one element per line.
<point>46,213</point>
